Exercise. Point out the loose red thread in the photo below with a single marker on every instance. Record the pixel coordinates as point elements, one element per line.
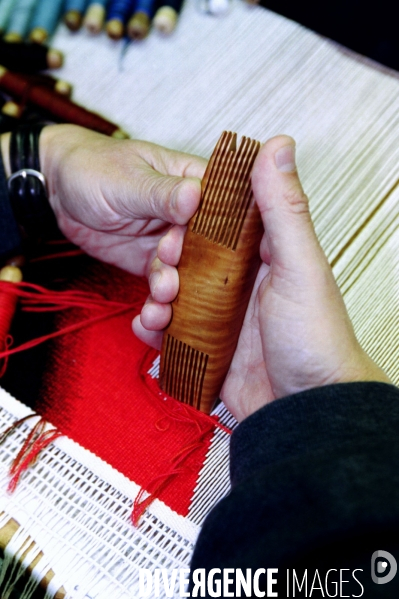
<point>171,407</point>
<point>174,411</point>
<point>8,302</point>
<point>38,439</point>
<point>159,483</point>
<point>66,254</point>
<point>38,299</point>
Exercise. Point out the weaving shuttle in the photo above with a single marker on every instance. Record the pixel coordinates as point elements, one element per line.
<point>217,270</point>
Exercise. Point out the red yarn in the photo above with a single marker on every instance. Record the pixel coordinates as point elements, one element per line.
<point>37,440</point>
<point>8,302</point>
<point>35,298</point>
<point>98,391</point>
<point>174,411</point>
<point>157,484</point>
<point>67,254</point>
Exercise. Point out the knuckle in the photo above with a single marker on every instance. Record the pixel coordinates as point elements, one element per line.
<point>164,192</point>
<point>297,200</point>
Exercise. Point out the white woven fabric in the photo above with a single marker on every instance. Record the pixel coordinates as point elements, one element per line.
<point>77,509</point>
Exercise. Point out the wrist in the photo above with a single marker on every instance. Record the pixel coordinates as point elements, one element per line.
<point>49,149</point>
<point>26,181</point>
<point>365,369</point>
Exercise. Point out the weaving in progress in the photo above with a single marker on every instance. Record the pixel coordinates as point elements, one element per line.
<point>126,474</point>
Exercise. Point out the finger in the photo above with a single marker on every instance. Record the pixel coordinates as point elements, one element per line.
<point>152,338</point>
<point>171,162</point>
<point>163,281</point>
<point>284,207</point>
<point>171,245</point>
<point>154,315</point>
<point>194,166</point>
<point>168,198</point>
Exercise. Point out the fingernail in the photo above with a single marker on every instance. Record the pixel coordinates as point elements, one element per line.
<point>285,159</point>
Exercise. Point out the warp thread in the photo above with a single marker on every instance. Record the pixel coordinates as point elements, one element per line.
<point>34,298</point>
<point>38,439</point>
<point>174,411</point>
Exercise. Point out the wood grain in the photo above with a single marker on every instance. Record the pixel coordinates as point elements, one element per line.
<point>217,271</point>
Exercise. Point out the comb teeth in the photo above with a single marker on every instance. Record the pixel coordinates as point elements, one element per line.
<point>227,191</point>
<point>184,371</point>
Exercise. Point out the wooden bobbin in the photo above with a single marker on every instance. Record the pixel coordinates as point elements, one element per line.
<point>217,271</point>
<point>138,26</point>
<point>55,59</point>
<point>13,37</point>
<point>73,20</point>
<point>94,18</point>
<point>165,19</point>
<point>11,274</point>
<point>7,531</point>
<point>115,29</point>
<point>55,104</point>
<point>12,109</point>
<point>38,35</point>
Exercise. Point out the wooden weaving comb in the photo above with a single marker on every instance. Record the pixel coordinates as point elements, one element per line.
<point>217,271</point>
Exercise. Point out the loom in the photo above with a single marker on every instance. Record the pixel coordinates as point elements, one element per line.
<point>262,74</point>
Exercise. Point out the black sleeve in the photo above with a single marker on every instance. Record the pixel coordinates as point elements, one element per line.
<point>10,239</point>
<point>315,484</point>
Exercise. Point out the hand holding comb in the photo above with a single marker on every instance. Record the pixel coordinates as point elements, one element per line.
<point>217,271</point>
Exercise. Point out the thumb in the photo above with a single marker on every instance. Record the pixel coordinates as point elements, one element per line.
<point>172,199</point>
<point>291,241</point>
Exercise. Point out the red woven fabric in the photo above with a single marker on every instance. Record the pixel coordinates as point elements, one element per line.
<point>97,391</point>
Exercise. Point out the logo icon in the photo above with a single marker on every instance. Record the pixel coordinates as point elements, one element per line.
<point>383,567</point>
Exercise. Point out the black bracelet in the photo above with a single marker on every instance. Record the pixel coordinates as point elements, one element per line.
<point>27,185</point>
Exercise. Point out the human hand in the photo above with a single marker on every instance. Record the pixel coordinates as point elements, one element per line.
<point>115,199</point>
<point>296,334</point>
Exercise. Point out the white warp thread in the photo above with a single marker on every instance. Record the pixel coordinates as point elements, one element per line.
<point>260,74</point>
<point>69,504</point>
